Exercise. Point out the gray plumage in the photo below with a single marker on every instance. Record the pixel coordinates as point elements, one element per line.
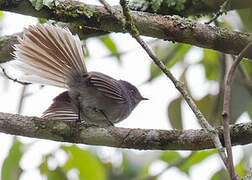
<point>51,55</point>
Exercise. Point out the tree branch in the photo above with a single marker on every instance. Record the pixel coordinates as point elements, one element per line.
<point>147,139</point>
<point>130,26</point>
<point>12,79</point>
<point>226,111</point>
<point>173,28</point>
<point>6,46</point>
<point>188,7</point>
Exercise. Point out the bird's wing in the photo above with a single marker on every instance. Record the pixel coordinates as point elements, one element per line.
<point>61,109</point>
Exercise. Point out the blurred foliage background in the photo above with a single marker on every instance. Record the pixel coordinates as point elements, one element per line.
<point>91,163</point>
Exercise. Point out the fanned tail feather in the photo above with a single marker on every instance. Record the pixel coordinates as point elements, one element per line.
<point>50,55</point>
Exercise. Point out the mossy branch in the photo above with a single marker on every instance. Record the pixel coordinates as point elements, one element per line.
<point>173,28</point>
<point>187,7</point>
<point>147,139</point>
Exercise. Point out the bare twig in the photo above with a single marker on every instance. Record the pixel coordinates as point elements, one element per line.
<point>129,25</point>
<point>21,100</point>
<point>10,78</point>
<point>226,111</point>
<point>172,28</point>
<point>223,9</point>
<point>214,17</point>
<point>111,11</point>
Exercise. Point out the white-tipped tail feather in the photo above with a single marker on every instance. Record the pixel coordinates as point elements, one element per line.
<point>50,55</point>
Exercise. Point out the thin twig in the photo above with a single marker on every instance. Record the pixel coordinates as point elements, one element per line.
<point>226,112</point>
<point>10,78</point>
<point>110,10</point>
<point>222,10</point>
<point>130,26</point>
<point>21,100</point>
<point>215,17</point>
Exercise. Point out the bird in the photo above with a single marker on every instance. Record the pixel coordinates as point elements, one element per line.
<point>52,55</point>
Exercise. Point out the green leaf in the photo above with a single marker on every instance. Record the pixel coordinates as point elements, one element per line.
<point>42,20</point>
<point>240,98</point>
<point>195,158</point>
<point>144,172</point>
<point>155,4</point>
<point>174,113</point>
<point>182,50</point>
<point>38,4</point>
<point>220,175</point>
<point>248,67</point>
<point>109,43</point>
<point>170,156</point>
<point>129,168</point>
<point>207,105</point>
<point>44,166</point>
<point>211,64</point>
<point>250,110</point>
<point>11,169</point>
<point>170,55</point>
<point>240,168</point>
<point>245,15</point>
<point>56,174</point>
<point>178,5</point>
<point>90,168</point>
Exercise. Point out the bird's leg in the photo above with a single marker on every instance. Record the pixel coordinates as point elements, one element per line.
<point>79,111</point>
<point>106,117</point>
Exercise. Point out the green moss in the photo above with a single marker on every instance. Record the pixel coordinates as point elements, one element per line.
<point>61,128</point>
<point>69,9</point>
<point>155,5</point>
<point>177,5</point>
<point>129,25</point>
<point>141,5</point>
<point>182,23</point>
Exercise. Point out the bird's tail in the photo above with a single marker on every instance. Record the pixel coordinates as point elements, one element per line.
<point>50,55</point>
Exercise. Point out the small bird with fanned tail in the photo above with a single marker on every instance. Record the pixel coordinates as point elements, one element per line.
<point>51,55</point>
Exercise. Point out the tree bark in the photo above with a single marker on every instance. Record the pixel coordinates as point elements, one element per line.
<point>188,7</point>
<point>172,28</point>
<point>143,139</point>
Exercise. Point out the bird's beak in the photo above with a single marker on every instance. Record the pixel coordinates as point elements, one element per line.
<point>143,98</point>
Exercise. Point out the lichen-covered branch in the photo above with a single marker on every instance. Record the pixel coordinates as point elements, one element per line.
<point>173,28</point>
<point>148,139</point>
<point>130,26</point>
<point>6,46</point>
<point>187,7</point>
